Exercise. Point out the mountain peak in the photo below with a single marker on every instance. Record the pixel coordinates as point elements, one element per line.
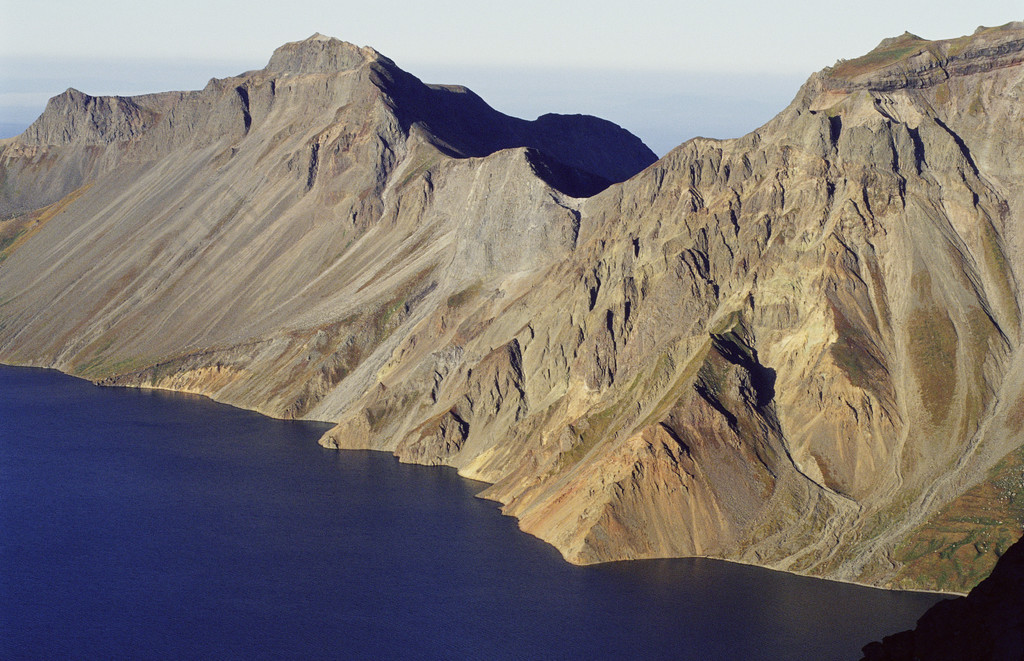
<point>905,39</point>
<point>320,53</point>
<point>810,332</point>
<point>909,61</point>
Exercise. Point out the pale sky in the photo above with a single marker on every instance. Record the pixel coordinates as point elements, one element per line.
<point>638,57</point>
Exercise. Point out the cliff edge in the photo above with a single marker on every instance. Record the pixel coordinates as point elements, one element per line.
<point>800,349</point>
<point>986,625</point>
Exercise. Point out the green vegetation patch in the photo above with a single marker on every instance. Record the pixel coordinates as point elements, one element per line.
<point>458,299</point>
<point>933,349</point>
<point>93,367</point>
<point>855,354</point>
<point>958,547</point>
<point>384,327</point>
<point>682,385</point>
<point>421,165</point>
<point>995,261</point>
<point>899,49</point>
<point>591,430</point>
<point>391,410</point>
<point>22,228</point>
<point>391,315</point>
<point>885,518</point>
<point>1015,419</point>
<point>7,241</point>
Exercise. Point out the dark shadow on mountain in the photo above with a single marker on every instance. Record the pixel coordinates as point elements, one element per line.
<point>581,155</point>
<point>986,625</point>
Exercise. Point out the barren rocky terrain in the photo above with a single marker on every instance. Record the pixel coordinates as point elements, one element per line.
<point>801,348</point>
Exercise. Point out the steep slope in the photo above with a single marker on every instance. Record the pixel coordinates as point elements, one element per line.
<point>986,625</point>
<point>285,198</point>
<point>800,348</point>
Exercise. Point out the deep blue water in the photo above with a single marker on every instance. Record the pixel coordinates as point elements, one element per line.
<point>137,524</point>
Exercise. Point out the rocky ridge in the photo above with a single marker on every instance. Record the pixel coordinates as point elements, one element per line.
<point>800,348</point>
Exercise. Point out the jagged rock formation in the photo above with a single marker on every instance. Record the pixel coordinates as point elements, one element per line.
<point>800,348</point>
<point>986,625</point>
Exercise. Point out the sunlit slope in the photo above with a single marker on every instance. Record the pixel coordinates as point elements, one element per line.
<point>800,348</point>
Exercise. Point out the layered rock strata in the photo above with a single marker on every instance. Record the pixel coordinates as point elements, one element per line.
<point>800,348</point>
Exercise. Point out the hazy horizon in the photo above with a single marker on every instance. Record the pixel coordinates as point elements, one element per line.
<point>666,72</point>
<point>663,108</point>
<point>739,36</point>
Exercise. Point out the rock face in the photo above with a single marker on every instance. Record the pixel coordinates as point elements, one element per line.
<point>800,348</point>
<point>986,625</point>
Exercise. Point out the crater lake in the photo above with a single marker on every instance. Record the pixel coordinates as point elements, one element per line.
<point>146,524</point>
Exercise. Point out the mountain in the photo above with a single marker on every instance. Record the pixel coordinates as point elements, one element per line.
<point>800,348</point>
<point>986,625</point>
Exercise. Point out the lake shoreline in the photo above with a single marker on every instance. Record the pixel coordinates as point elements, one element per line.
<point>143,387</point>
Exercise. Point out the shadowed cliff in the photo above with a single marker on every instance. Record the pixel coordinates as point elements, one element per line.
<point>986,625</point>
<point>800,348</point>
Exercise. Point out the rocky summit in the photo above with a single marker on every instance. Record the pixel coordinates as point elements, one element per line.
<point>801,348</point>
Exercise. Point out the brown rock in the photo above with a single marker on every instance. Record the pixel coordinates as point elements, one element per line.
<point>800,348</point>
